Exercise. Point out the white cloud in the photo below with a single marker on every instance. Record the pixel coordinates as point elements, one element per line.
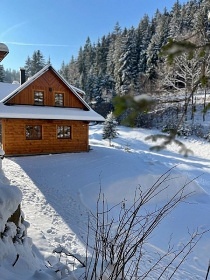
<point>37,44</point>
<point>13,27</point>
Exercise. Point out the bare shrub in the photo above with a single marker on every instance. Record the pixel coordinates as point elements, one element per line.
<point>117,247</point>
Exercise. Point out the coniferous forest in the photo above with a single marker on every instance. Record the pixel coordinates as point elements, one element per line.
<point>129,61</point>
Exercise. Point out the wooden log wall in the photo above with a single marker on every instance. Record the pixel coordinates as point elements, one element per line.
<point>14,140</point>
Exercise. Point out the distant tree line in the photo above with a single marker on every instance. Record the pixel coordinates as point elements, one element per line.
<point>8,75</point>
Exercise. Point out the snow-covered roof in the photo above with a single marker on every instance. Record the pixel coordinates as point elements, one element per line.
<point>3,48</point>
<point>78,90</point>
<point>6,89</point>
<point>47,112</point>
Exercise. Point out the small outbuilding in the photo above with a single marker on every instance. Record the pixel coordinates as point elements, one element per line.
<point>43,115</point>
<point>3,51</point>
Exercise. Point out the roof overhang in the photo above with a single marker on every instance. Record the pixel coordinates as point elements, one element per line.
<point>3,51</point>
<point>48,113</point>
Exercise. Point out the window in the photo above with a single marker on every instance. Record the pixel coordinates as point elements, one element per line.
<point>63,132</point>
<point>59,99</point>
<point>33,132</point>
<point>38,98</point>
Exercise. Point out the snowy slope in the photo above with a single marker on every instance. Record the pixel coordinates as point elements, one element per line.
<point>59,190</point>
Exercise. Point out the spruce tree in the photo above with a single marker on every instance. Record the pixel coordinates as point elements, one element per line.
<point>129,63</point>
<point>35,63</point>
<point>110,128</point>
<point>144,35</point>
<point>176,22</point>
<point>64,71</point>
<point>113,57</point>
<point>73,72</point>
<point>158,40</point>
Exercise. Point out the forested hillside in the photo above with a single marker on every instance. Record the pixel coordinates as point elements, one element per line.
<point>129,61</point>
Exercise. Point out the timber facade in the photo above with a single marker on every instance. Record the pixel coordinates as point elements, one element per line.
<point>15,142</point>
<point>50,86</point>
<point>45,115</point>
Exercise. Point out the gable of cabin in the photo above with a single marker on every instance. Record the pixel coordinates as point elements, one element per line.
<point>50,85</point>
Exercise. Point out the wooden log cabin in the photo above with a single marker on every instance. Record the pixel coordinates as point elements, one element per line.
<point>44,115</point>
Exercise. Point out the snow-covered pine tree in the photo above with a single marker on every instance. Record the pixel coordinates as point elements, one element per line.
<point>64,71</point>
<point>176,22</point>
<point>144,35</point>
<point>158,40</point>
<point>110,128</point>
<point>113,57</point>
<point>35,63</point>
<point>129,63</point>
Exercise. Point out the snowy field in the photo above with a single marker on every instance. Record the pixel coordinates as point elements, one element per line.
<point>59,190</point>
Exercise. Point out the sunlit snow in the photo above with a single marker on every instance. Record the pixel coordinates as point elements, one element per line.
<point>59,190</point>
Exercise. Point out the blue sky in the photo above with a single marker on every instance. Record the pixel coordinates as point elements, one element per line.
<point>58,28</point>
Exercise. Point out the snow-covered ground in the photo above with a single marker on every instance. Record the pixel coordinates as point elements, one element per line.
<point>59,190</point>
